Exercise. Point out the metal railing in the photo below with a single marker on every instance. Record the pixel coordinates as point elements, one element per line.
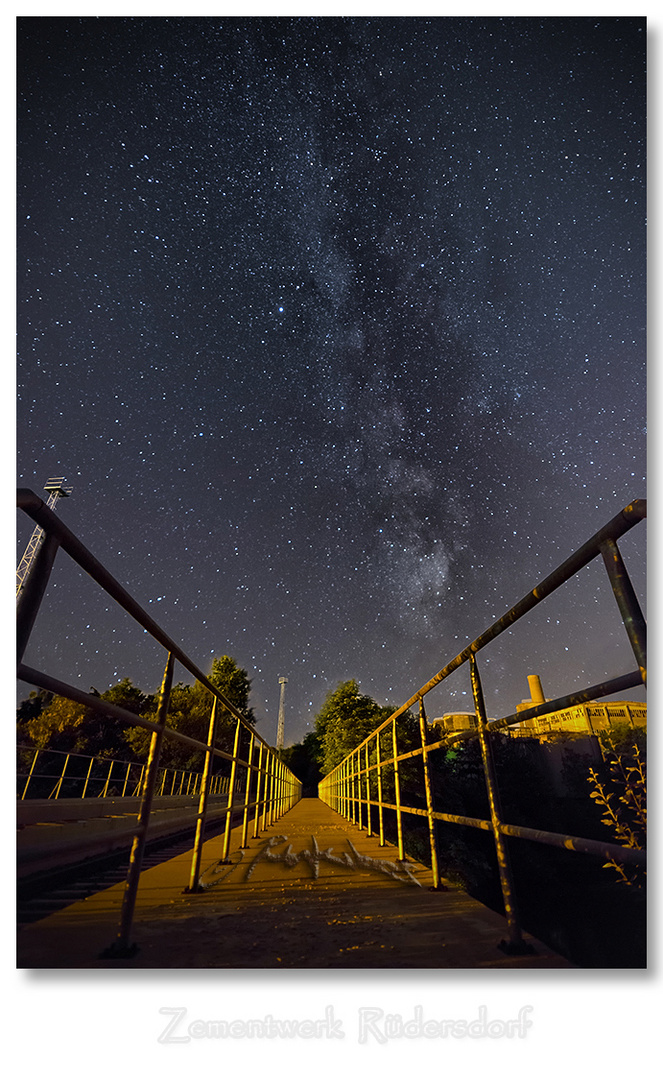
<point>260,785</point>
<point>79,776</point>
<point>355,787</point>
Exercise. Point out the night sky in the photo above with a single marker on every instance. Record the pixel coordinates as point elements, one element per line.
<point>336,326</point>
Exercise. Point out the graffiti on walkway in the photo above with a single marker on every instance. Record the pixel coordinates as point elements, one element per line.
<point>399,870</point>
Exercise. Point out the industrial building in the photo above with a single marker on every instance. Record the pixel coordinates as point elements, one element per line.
<point>588,719</point>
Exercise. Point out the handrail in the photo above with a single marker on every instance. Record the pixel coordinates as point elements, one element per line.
<point>37,509</point>
<point>341,787</point>
<point>280,787</point>
<point>33,775</point>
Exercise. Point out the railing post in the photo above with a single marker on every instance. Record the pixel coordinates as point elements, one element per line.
<point>378,760</point>
<point>515,945</point>
<point>397,789</point>
<point>273,789</point>
<point>32,593</point>
<point>231,794</point>
<point>277,788</point>
<point>194,884</point>
<point>87,778</point>
<point>349,802</point>
<point>368,792</point>
<point>105,787</point>
<point>285,785</point>
<point>268,780</point>
<point>627,601</point>
<point>423,728</point>
<point>59,783</point>
<point>245,823</point>
<point>353,787</point>
<point>122,947</point>
<point>34,762</point>
<point>258,784</point>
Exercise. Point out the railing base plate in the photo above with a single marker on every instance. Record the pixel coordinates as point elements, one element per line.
<point>516,948</point>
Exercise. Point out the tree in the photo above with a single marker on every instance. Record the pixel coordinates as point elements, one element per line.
<point>189,711</point>
<point>304,760</point>
<point>66,725</point>
<point>344,721</point>
<point>234,684</point>
<point>29,709</point>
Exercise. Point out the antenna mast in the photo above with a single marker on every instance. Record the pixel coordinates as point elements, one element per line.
<point>281,725</point>
<point>56,490</point>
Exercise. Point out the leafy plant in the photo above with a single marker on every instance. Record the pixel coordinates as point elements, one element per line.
<point>622,797</point>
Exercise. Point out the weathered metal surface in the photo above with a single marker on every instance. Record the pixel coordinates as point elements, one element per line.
<point>338,787</point>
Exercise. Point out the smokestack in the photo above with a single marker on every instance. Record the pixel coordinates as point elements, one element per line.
<point>536,690</point>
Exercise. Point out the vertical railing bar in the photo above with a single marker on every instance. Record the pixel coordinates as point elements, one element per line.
<point>258,783</point>
<point>397,789</point>
<point>194,882</point>
<point>353,796</point>
<point>273,790</point>
<point>627,602</point>
<point>515,944</point>
<point>104,790</point>
<point>59,783</point>
<point>231,795</point>
<point>87,778</point>
<point>122,946</point>
<point>32,766</point>
<point>275,799</point>
<point>378,758</point>
<point>268,766</point>
<point>348,790</point>
<point>245,822</point>
<point>423,727</point>
<point>32,593</point>
<point>368,793</point>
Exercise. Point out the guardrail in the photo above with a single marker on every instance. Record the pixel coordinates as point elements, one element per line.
<point>84,777</point>
<point>356,785</point>
<point>270,788</point>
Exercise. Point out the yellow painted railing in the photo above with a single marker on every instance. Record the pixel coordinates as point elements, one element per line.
<point>355,787</point>
<point>260,786</point>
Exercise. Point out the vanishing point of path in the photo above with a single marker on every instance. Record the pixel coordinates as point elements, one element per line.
<point>327,900</point>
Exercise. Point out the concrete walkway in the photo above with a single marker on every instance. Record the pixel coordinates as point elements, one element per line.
<point>311,892</point>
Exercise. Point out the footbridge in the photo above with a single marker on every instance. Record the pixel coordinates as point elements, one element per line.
<point>265,878</point>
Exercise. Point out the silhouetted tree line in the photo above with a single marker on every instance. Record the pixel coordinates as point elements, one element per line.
<point>50,722</point>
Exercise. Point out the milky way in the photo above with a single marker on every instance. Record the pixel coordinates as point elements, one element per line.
<point>336,327</point>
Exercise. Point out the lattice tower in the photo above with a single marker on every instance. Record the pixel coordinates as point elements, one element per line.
<point>56,490</point>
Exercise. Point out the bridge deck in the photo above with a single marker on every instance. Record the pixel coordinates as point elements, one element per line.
<point>326,901</point>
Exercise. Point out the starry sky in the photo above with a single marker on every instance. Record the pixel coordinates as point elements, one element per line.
<point>336,327</point>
